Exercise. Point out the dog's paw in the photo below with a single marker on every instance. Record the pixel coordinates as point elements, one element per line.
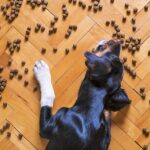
<point>42,73</point>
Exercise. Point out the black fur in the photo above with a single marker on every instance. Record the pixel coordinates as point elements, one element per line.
<point>84,126</point>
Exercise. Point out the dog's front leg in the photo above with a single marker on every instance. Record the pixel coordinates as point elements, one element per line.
<point>42,74</point>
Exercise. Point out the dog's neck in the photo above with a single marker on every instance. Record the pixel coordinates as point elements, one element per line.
<point>90,95</point>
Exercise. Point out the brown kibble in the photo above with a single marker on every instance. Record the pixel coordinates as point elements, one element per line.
<point>126,6</point>
<point>134,28</point>
<point>0,97</point>
<point>112,22</point>
<point>134,62</point>
<point>43,51</point>
<point>128,12</point>
<point>142,89</point>
<point>1,68</point>
<point>100,7</point>
<point>52,23</point>
<point>56,18</point>
<point>23,63</point>
<point>26,83</point>
<point>7,125</point>
<point>145,147</point>
<point>74,46</point>
<point>35,89</point>
<point>74,27</point>
<point>135,10</point>
<point>50,31</point>
<point>124,59</point>
<point>54,30</point>
<point>70,1</point>
<point>89,7</point>
<point>42,29</point>
<point>26,70</point>
<point>112,1</point>
<point>26,37</point>
<point>4,105</point>
<point>149,53</point>
<point>20,136</point>
<point>74,2</point>
<point>146,8</point>
<point>8,134</point>
<point>66,51</point>
<point>55,50</point>
<point>124,19</point>
<point>8,44</point>
<point>133,20</point>
<point>11,76</point>
<point>19,77</point>
<point>143,96</point>
<point>1,131</point>
<point>107,23</point>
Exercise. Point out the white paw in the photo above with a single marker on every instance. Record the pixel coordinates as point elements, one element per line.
<point>42,73</point>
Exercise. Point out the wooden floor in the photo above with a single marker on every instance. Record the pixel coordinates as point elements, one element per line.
<point>20,105</point>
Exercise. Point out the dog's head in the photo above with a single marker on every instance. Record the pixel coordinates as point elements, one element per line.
<point>105,69</point>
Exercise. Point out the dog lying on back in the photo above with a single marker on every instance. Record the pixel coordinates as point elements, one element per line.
<point>86,125</point>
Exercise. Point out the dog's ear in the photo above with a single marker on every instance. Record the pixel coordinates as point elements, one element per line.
<point>118,100</point>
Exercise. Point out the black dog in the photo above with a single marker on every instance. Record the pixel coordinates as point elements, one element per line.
<point>86,126</point>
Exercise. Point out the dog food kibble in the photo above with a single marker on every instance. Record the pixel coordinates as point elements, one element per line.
<point>56,18</point>
<point>142,90</point>
<point>35,89</point>
<point>4,105</point>
<point>112,22</point>
<point>43,51</point>
<point>135,10</point>
<point>74,46</point>
<point>26,70</point>
<point>126,6</point>
<point>1,68</point>
<point>23,63</point>
<point>66,51</point>
<point>133,20</point>
<point>134,28</point>
<point>7,125</point>
<point>128,12</point>
<point>55,50</point>
<point>26,83</point>
<point>149,53</point>
<point>1,131</point>
<point>8,134</point>
<point>124,19</point>
<point>42,29</point>
<point>0,97</point>
<point>20,136</point>
<point>124,59</point>
<point>107,23</point>
<point>89,7</point>
<point>143,96</point>
<point>133,62</point>
<point>145,147</point>
<point>112,1</point>
<point>146,8</point>
<point>19,77</point>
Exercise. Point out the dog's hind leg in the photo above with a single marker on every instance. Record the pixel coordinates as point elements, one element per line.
<point>42,74</point>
